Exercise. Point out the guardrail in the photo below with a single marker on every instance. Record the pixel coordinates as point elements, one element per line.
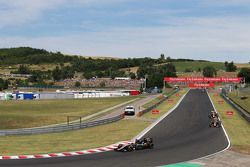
<point>75,125</point>
<point>241,110</point>
<point>60,128</point>
<point>157,104</point>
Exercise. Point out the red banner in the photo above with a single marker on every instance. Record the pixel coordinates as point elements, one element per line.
<point>171,79</point>
<point>155,111</point>
<point>230,113</point>
<point>202,79</point>
<point>201,85</point>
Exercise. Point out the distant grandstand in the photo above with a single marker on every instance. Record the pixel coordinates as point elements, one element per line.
<point>103,83</point>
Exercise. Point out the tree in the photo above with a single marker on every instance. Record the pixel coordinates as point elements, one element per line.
<point>226,63</point>
<point>230,67</point>
<point>88,75</point>
<point>162,57</point>
<point>132,75</point>
<point>3,84</point>
<point>168,59</point>
<point>77,84</point>
<point>36,77</point>
<point>209,71</point>
<point>22,69</point>
<point>67,72</point>
<point>156,74</point>
<point>57,74</point>
<point>245,73</point>
<point>169,70</point>
<point>99,74</point>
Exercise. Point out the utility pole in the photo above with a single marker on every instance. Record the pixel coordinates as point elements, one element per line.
<point>164,87</point>
<point>110,72</point>
<point>146,76</point>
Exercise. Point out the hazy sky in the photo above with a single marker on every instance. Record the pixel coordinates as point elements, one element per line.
<point>215,30</point>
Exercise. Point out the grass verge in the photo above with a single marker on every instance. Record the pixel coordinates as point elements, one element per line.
<point>237,127</point>
<point>156,100</point>
<point>166,105</point>
<point>25,114</point>
<point>72,141</point>
<point>244,103</point>
<point>81,139</point>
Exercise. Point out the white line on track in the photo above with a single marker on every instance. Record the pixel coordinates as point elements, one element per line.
<point>159,120</point>
<point>229,143</point>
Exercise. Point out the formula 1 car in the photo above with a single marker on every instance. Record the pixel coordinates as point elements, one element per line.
<point>139,144</point>
<point>125,147</point>
<point>144,143</point>
<point>213,114</point>
<point>215,123</point>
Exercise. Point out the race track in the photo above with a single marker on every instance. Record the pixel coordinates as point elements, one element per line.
<point>183,135</point>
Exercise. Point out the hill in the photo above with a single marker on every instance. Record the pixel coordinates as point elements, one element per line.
<point>197,65</point>
<point>27,55</point>
<point>40,59</point>
<point>25,66</point>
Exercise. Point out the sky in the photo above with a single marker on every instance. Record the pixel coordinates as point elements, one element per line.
<point>215,30</point>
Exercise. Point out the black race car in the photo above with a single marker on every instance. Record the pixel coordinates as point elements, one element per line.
<point>144,143</point>
<point>215,123</point>
<point>125,147</point>
<point>213,114</point>
<point>139,144</point>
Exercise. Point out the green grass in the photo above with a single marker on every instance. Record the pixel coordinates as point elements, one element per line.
<point>42,67</point>
<point>80,139</point>
<point>235,96</point>
<point>72,141</point>
<point>156,100</point>
<point>242,65</point>
<point>195,65</point>
<point>236,126</point>
<point>166,105</point>
<point>152,102</point>
<point>24,114</point>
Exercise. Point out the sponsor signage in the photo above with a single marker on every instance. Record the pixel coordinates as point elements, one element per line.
<point>216,94</point>
<point>220,101</point>
<point>155,111</point>
<point>202,79</point>
<point>230,113</point>
<point>170,100</point>
<point>201,85</point>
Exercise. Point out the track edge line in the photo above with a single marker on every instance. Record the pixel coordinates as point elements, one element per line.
<point>145,131</point>
<point>229,143</point>
<point>225,132</point>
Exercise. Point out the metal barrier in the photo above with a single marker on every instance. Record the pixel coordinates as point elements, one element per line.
<point>157,104</point>
<point>60,128</point>
<point>241,110</point>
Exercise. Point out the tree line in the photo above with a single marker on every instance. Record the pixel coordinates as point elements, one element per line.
<point>154,70</point>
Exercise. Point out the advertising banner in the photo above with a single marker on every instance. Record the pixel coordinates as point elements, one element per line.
<point>201,85</point>
<point>202,79</point>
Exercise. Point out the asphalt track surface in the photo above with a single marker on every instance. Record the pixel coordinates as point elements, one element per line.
<point>183,135</point>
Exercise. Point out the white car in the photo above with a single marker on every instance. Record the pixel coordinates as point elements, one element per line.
<point>129,110</point>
